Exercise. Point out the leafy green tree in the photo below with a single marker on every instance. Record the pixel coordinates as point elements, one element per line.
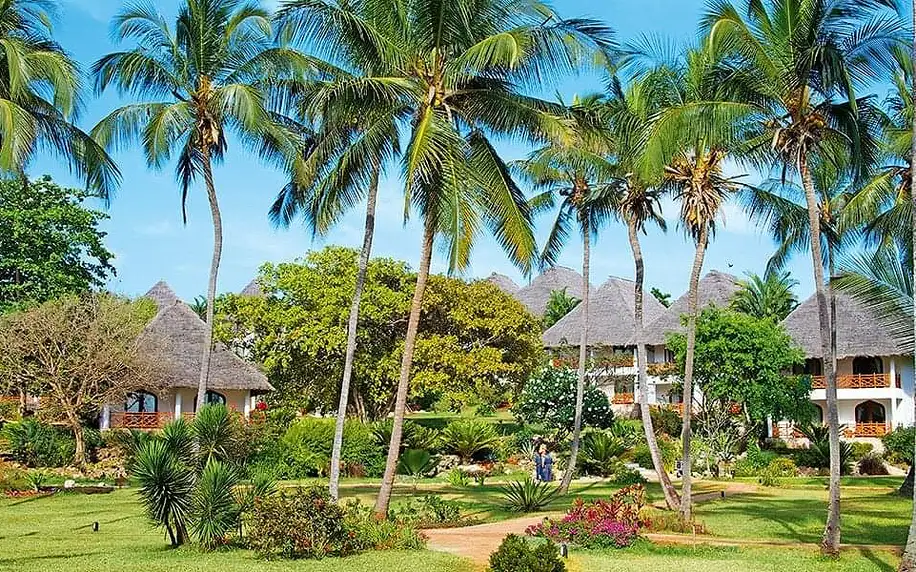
<point>801,63</point>
<point>51,244</point>
<point>577,170</point>
<point>41,96</point>
<point>744,359</point>
<point>456,72</point>
<point>558,305</point>
<point>549,400</point>
<point>770,297</point>
<point>208,76</point>
<point>475,341</point>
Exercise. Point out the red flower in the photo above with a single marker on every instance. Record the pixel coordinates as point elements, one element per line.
<point>261,406</point>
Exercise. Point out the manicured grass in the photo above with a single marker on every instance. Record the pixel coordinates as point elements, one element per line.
<point>646,557</point>
<point>43,534</point>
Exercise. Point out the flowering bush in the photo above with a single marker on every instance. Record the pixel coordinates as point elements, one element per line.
<point>613,523</point>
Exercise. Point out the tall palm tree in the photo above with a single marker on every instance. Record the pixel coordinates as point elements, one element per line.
<point>630,113</point>
<point>207,74</point>
<point>908,561</point>
<point>793,58</point>
<point>41,96</point>
<point>342,166</point>
<point>577,169</point>
<point>458,68</point>
<point>769,297</point>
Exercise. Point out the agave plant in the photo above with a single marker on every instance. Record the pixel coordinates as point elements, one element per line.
<point>216,511</point>
<point>468,437</point>
<point>528,495</point>
<point>166,489</point>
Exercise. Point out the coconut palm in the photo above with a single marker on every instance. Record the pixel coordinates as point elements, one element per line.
<point>794,59</point>
<point>558,305</point>
<point>458,69</point>
<point>578,170</point>
<point>40,95</point>
<point>630,113</point>
<point>908,560</point>
<point>769,297</point>
<point>207,77</point>
<point>336,173</point>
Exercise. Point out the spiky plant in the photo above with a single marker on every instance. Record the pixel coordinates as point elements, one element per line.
<point>770,297</point>
<point>216,510</point>
<point>166,489</point>
<point>214,433</point>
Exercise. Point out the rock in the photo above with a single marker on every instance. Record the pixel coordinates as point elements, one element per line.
<point>447,463</point>
<point>69,484</point>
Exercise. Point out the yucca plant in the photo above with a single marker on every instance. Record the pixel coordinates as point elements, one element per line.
<point>528,495</point>
<point>166,489</point>
<point>179,439</point>
<point>216,511</point>
<point>214,432</point>
<point>468,437</point>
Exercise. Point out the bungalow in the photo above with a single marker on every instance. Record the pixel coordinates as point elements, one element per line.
<point>535,295</point>
<point>175,337</point>
<point>874,373</point>
<point>610,337</point>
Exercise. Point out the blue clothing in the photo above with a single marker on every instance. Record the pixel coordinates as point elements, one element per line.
<point>543,467</point>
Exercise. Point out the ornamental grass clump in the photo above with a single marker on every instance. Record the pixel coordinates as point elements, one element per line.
<point>613,523</point>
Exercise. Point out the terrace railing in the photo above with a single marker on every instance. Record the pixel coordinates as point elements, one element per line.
<point>868,430</point>
<point>124,420</point>
<point>858,381</point>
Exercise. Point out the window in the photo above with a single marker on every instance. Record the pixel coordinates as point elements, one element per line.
<point>141,402</point>
<point>818,414</point>
<point>212,398</point>
<point>813,366</point>
<point>870,412</point>
<point>867,365</point>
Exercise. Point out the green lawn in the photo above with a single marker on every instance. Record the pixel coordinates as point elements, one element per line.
<point>55,533</point>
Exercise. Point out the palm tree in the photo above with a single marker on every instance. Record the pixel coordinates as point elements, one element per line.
<point>630,114</point>
<point>456,71</point>
<point>578,169</point>
<point>199,305</point>
<point>208,74</point>
<point>908,560</point>
<point>792,58</point>
<point>558,305</point>
<point>769,297</point>
<point>40,94</point>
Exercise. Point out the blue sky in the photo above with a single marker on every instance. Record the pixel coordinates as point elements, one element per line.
<point>147,236</point>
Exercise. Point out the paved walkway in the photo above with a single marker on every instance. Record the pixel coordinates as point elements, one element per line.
<point>476,543</point>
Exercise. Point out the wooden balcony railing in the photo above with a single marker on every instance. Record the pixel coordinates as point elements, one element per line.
<point>623,398</point>
<point>661,369</point>
<point>868,430</point>
<point>857,381</point>
<point>123,420</point>
<point>785,432</point>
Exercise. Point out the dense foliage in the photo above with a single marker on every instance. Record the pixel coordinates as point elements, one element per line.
<point>612,523</point>
<point>51,244</point>
<point>743,359</point>
<point>549,398</point>
<point>515,554</point>
<point>476,343</point>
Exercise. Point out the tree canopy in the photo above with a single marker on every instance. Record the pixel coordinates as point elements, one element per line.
<point>51,244</point>
<point>475,342</point>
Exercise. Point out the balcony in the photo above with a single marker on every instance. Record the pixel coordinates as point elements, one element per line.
<point>142,421</point>
<point>858,381</point>
<point>623,399</point>
<point>867,430</point>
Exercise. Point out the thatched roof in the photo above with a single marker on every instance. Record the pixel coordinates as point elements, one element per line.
<point>175,336</point>
<point>504,283</point>
<point>858,333</point>
<point>715,289</point>
<point>252,289</point>
<point>162,294</point>
<point>536,295</point>
<point>610,317</point>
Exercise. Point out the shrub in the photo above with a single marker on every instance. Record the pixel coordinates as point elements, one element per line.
<point>778,469</point>
<point>427,512</point>
<point>12,478</point>
<point>898,445</point>
<point>817,456</point>
<point>36,444</point>
<point>166,488</point>
<point>601,452</point>
<point>515,554</point>
<point>666,421</point>
<point>216,512</point>
<point>370,533</point>
<point>872,464</point>
<point>305,449</point>
<point>458,478</point>
<point>626,477</point>
<point>666,447</point>
<point>613,523</point>
<point>303,523</point>
<point>528,495</point>
<point>469,438</point>
<point>127,443</point>
<point>548,399</point>
<point>859,450</point>
<point>413,435</point>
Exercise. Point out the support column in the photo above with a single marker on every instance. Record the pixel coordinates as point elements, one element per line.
<point>248,404</point>
<point>893,383</point>
<point>177,404</point>
<point>105,421</point>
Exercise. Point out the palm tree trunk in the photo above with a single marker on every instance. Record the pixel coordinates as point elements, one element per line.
<point>642,377</point>
<point>908,560</point>
<point>830,543</point>
<point>692,305</point>
<point>352,324</point>
<point>207,347</point>
<point>583,355</point>
<point>400,404</point>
